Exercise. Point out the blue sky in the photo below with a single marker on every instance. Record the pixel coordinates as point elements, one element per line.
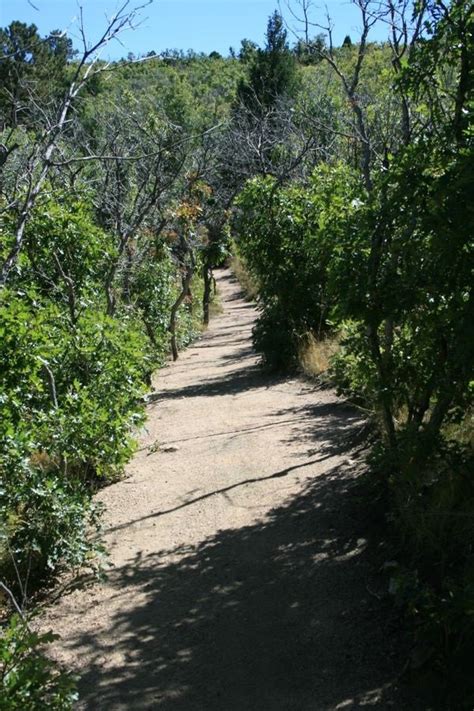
<point>203,25</point>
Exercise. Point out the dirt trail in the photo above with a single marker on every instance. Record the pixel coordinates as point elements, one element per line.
<point>240,568</point>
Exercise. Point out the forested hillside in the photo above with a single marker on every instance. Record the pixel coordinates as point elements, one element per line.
<point>338,181</point>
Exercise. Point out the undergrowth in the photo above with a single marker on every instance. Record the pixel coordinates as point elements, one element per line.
<point>29,680</point>
<point>246,280</point>
<point>315,356</point>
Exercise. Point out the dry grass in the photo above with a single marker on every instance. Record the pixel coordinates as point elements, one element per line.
<point>315,356</point>
<point>246,281</point>
<point>462,432</point>
<point>42,460</point>
<point>215,307</point>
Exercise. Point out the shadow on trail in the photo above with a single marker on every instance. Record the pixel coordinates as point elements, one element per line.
<point>328,427</point>
<point>233,382</point>
<point>336,424</point>
<point>223,341</point>
<point>224,490</point>
<point>269,617</point>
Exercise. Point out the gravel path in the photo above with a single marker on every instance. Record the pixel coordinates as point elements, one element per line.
<point>239,564</point>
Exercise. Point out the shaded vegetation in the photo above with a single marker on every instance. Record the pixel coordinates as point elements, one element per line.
<point>377,249</point>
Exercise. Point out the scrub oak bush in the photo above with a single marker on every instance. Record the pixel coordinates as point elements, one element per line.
<point>72,383</point>
<point>288,237</point>
<point>29,681</point>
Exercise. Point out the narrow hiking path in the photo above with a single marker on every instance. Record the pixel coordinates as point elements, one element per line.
<point>239,565</point>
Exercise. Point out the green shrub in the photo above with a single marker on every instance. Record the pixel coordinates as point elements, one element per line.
<point>50,524</point>
<point>70,400</point>
<point>66,255</point>
<point>288,237</point>
<point>275,337</point>
<point>100,370</point>
<point>190,314</point>
<point>29,680</point>
<point>351,369</point>
<point>153,291</point>
<point>71,396</point>
<point>74,393</point>
<point>155,287</point>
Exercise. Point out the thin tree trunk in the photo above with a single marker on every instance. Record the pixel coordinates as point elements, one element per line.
<point>384,391</point>
<point>175,308</point>
<point>206,299</point>
<point>127,274</point>
<point>149,330</point>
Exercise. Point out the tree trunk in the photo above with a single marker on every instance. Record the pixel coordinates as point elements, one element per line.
<point>149,330</point>
<point>127,274</point>
<point>206,299</point>
<point>174,309</point>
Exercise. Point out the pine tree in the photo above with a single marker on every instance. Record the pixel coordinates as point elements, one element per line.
<point>273,73</point>
<point>29,62</point>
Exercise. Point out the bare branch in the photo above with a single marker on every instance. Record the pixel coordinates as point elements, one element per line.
<point>46,147</point>
<point>13,599</point>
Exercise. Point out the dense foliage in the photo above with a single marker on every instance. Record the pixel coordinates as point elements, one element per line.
<point>375,250</point>
<point>290,240</point>
<point>29,680</point>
